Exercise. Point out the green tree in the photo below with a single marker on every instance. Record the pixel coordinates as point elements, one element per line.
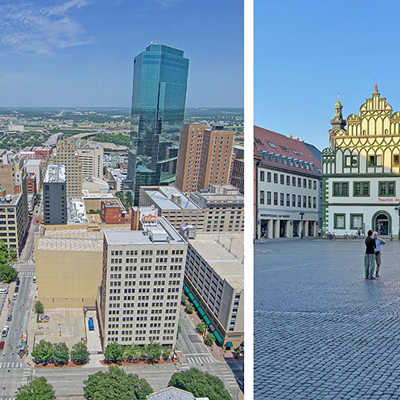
<point>43,352</point>
<point>38,196</point>
<point>184,300</point>
<point>200,384</point>
<point>39,309</point>
<point>37,389</point>
<point>132,353</point>
<point>201,327</point>
<point>79,353</point>
<point>116,385</point>
<point>166,353</point>
<point>210,339</point>
<point>60,353</point>
<point>153,352</point>
<point>114,352</point>
<point>189,308</point>
<point>7,273</point>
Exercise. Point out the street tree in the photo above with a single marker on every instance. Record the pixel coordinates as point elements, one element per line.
<point>153,352</point>
<point>184,300</point>
<point>116,385</point>
<point>60,353</point>
<point>200,384</point>
<point>37,389</point>
<point>201,327</point>
<point>7,273</point>
<point>210,339</point>
<point>39,309</point>
<point>43,352</point>
<point>166,353</point>
<point>189,308</point>
<point>114,352</point>
<point>79,353</point>
<point>132,353</point>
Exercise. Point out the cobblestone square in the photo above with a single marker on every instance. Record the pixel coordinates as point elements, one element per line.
<point>321,330</point>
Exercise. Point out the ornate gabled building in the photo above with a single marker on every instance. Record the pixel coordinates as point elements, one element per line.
<point>361,170</point>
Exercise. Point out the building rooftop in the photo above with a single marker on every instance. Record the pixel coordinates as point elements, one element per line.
<point>53,244</point>
<point>33,162</point>
<point>169,198</point>
<point>112,203</point>
<point>224,252</point>
<point>9,200</point>
<point>220,194</point>
<point>171,393</point>
<point>55,174</point>
<point>276,150</point>
<point>160,232</point>
<point>76,211</point>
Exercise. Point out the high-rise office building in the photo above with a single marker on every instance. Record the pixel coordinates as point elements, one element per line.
<point>54,196</point>
<point>142,284</point>
<point>204,157</point>
<point>66,154</point>
<point>91,156</point>
<point>158,105</point>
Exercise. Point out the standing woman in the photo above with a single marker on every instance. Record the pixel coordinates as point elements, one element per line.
<point>378,258</point>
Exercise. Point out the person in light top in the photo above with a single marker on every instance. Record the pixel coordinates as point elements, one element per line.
<point>378,258</point>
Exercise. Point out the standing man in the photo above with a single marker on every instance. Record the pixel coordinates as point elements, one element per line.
<point>378,258</point>
<point>369,258</point>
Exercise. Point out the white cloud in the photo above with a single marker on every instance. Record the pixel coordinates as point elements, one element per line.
<point>25,27</point>
<point>168,3</point>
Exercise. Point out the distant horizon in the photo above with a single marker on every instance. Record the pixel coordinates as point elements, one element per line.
<point>112,107</point>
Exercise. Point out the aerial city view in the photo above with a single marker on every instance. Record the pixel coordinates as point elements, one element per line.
<point>121,200</point>
<point>327,206</point>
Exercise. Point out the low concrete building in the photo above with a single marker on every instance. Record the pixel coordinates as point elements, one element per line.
<point>173,205</point>
<point>224,206</point>
<point>214,282</point>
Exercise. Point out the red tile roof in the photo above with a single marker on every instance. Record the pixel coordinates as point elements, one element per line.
<point>276,143</point>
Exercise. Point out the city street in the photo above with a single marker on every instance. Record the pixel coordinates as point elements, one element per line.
<point>321,330</point>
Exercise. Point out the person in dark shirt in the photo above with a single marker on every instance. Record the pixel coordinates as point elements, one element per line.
<point>369,258</point>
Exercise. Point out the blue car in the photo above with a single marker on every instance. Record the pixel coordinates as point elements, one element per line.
<point>91,324</point>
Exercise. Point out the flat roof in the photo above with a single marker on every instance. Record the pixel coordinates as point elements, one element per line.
<point>161,232</point>
<point>170,198</point>
<point>55,174</point>
<point>53,244</point>
<point>224,252</point>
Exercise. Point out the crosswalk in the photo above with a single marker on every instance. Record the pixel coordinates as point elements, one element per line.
<point>11,364</point>
<point>7,398</point>
<point>26,273</point>
<point>198,359</point>
<point>27,373</point>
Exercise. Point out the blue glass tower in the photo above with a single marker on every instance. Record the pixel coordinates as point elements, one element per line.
<point>158,106</point>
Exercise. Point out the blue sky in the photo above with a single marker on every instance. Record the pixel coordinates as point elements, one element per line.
<point>308,52</point>
<point>80,52</point>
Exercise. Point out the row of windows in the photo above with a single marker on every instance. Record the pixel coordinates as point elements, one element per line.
<point>339,221</point>
<point>289,180</point>
<point>376,160</point>
<point>362,189</point>
<point>291,200</point>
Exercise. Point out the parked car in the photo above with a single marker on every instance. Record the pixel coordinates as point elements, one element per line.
<point>2,345</point>
<point>9,318</point>
<point>34,279</point>
<point>16,289</point>
<point>3,291</point>
<point>15,296</point>
<point>4,332</point>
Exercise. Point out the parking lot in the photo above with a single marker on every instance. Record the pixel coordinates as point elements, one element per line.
<point>64,325</point>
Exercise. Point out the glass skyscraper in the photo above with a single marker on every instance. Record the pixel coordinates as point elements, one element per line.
<point>158,106</point>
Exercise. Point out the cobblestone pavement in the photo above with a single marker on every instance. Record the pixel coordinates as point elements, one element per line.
<point>321,330</point>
